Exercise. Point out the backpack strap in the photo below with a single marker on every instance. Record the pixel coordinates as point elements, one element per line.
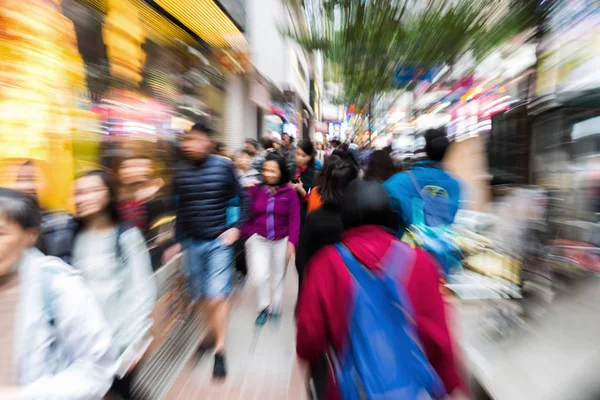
<point>398,259</point>
<point>121,229</point>
<point>354,267</point>
<point>415,183</point>
<point>48,295</point>
<point>395,265</point>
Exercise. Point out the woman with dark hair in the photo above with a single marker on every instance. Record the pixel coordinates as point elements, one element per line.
<point>324,225</point>
<point>54,341</point>
<point>314,198</point>
<point>272,228</point>
<point>143,203</point>
<point>381,167</point>
<point>330,291</point>
<point>304,177</point>
<point>115,263</point>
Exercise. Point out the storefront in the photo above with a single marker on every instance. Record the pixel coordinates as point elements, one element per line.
<point>93,81</point>
<point>106,78</point>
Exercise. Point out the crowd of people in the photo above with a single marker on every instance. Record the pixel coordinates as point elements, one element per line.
<point>77,291</point>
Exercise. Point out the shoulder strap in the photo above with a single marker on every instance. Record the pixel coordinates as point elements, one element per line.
<point>354,267</point>
<point>399,259</point>
<point>122,228</point>
<point>395,262</point>
<point>415,183</point>
<point>48,295</point>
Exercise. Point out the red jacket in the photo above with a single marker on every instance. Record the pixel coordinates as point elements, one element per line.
<point>326,298</point>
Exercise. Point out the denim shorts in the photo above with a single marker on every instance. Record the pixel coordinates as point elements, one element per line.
<point>210,266</point>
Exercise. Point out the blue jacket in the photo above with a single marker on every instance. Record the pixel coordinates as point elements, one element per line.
<point>402,191</point>
<point>203,190</point>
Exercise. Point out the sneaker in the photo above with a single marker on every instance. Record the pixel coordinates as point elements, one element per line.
<point>220,368</point>
<point>274,315</point>
<point>205,345</point>
<point>262,317</point>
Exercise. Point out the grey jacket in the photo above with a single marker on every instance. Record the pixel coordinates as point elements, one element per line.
<point>62,344</point>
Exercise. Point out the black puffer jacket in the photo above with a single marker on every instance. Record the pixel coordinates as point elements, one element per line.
<point>202,191</point>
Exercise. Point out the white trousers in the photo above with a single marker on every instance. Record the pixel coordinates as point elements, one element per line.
<point>266,268</point>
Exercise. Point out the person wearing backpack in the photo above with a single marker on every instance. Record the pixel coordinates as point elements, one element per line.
<point>428,173</point>
<point>427,198</point>
<point>58,226</point>
<point>370,304</point>
<point>54,341</point>
<point>114,261</point>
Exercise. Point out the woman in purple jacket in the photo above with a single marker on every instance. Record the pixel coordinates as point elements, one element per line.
<point>272,229</point>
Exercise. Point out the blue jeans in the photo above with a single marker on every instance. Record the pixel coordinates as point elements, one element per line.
<point>210,267</point>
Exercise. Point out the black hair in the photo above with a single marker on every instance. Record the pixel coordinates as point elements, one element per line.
<point>252,142</point>
<point>130,157</point>
<point>341,153</point>
<point>307,147</point>
<point>204,126</point>
<point>280,160</point>
<point>110,181</point>
<point>338,176</point>
<point>27,163</point>
<point>321,175</point>
<point>353,156</point>
<point>381,167</point>
<point>288,135</point>
<point>436,144</point>
<point>246,152</point>
<point>20,208</point>
<point>220,146</point>
<point>266,143</point>
<point>370,205</point>
<point>137,156</point>
<point>399,164</point>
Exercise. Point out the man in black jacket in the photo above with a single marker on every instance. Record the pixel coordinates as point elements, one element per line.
<point>204,184</point>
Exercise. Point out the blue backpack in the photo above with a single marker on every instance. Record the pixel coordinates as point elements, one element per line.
<point>384,359</point>
<point>430,228</point>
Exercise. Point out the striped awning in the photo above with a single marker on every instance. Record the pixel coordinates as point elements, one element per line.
<point>206,19</point>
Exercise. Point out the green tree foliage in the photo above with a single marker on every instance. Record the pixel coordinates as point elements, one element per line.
<point>364,41</point>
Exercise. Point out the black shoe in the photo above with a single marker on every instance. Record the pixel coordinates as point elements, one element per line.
<point>220,369</point>
<point>274,315</point>
<point>262,317</point>
<point>206,345</point>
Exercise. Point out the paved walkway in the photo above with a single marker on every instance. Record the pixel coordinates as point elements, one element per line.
<point>262,361</point>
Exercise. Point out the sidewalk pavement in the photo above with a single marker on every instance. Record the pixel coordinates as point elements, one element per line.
<point>262,362</point>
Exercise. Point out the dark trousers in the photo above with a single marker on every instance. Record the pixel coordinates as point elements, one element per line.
<point>123,388</point>
<point>239,254</point>
<point>318,376</point>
